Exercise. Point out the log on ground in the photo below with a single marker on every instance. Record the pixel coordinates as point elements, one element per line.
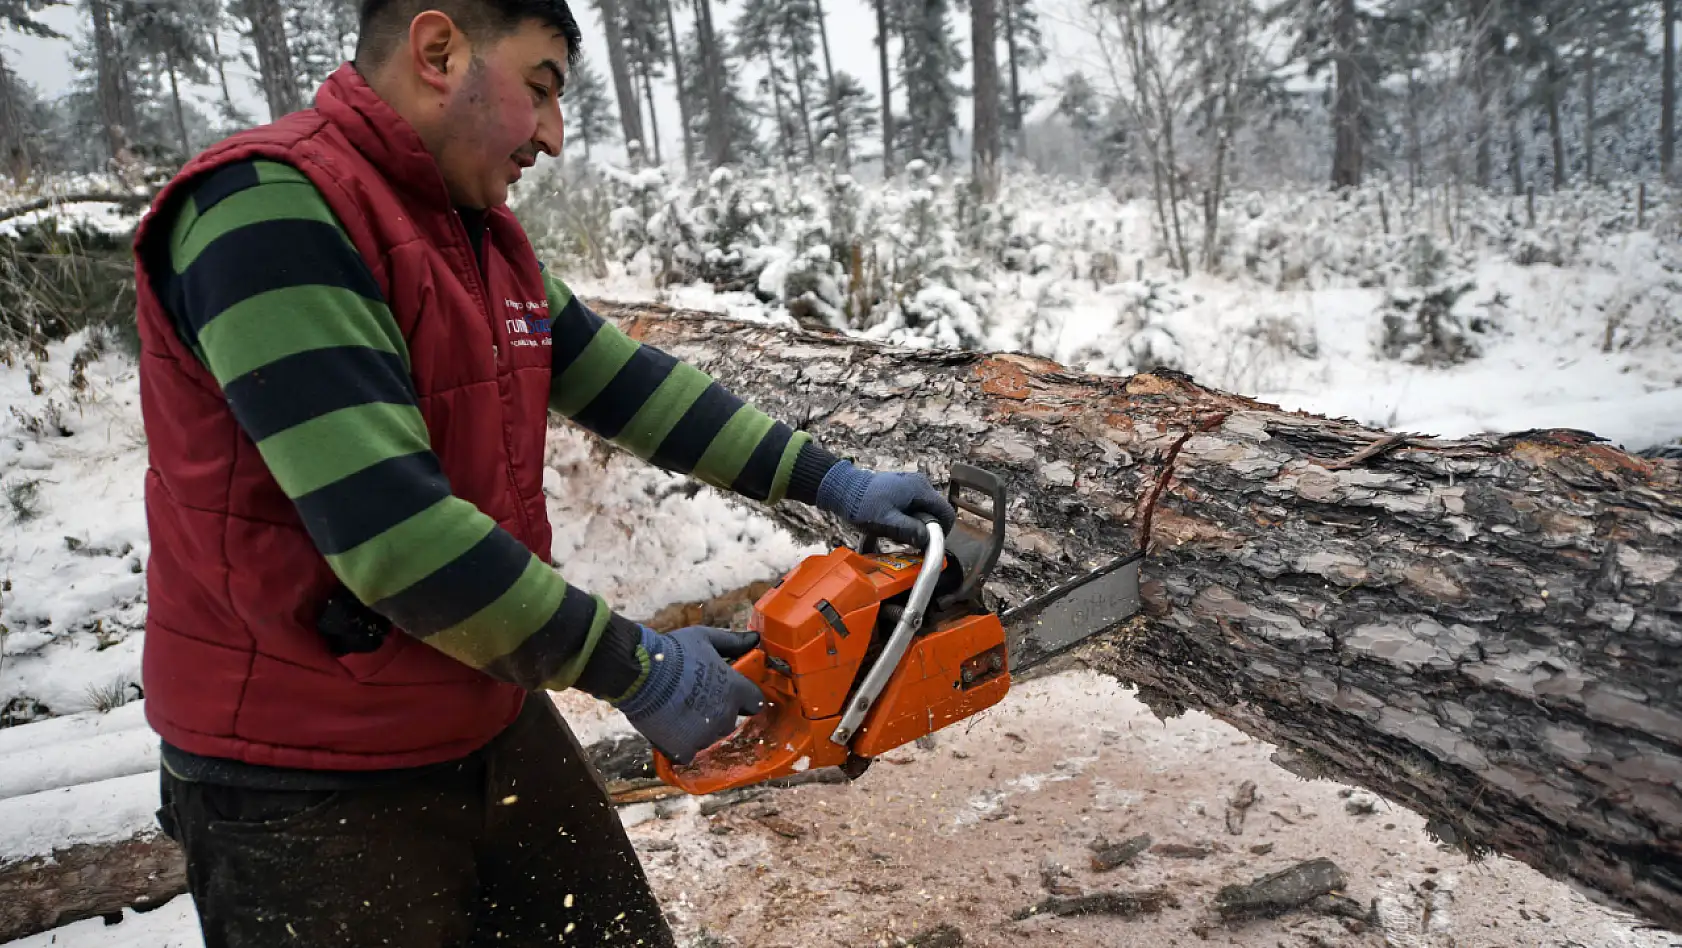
<point>1485,630</point>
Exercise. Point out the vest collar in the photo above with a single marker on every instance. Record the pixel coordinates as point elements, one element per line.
<point>385,138</point>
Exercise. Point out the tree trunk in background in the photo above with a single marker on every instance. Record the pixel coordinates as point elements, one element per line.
<point>624,88</point>
<point>107,62</point>
<point>1481,43</point>
<point>1588,104</point>
<point>887,88</point>
<point>274,57</point>
<point>15,144</point>
<point>800,66</point>
<point>1667,94</point>
<point>682,89</point>
<point>1480,630</point>
<point>1348,110</point>
<point>719,146</point>
<point>1015,75</point>
<point>984,47</point>
<point>834,93</point>
<point>180,114</point>
<point>653,119</point>
<point>221,71</point>
<point>1555,132</point>
<point>777,105</point>
<point>1416,151</point>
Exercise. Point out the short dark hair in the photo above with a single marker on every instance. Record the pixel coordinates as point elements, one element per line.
<point>383,24</point>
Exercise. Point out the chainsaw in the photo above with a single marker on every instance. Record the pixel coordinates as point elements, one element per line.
<point>862,651</point>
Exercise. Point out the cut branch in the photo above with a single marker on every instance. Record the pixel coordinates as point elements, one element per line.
<point>1481,630</point>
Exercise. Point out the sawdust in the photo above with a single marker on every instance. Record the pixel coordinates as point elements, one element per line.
<point>958,836</point>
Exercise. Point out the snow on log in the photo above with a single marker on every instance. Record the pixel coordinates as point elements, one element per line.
<point>117,753</point>
<point>1485,631</point>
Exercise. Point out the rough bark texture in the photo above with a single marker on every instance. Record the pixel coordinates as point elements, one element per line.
<point>985,52</point>
<point>630,113</point>
<point>887,88</point>
<point>1347,111</point>
<point>1667,92</point>
<point>274,57</point>
<point>87,881</point>
<point>1483,630</point>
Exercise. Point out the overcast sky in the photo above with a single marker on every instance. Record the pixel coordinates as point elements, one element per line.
<point>851,24</point>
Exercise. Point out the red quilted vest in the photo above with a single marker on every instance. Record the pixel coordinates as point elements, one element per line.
<point>233,665</point>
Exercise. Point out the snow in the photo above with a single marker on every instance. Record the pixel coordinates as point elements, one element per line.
<point>1584,330</point>
<point>101,812</point>
<point>172,925</point>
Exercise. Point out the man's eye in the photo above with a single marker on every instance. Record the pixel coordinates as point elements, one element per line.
<point>541,92</point>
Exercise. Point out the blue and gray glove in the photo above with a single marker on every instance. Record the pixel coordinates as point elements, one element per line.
<point>889,504</point>
<point>691,697</point>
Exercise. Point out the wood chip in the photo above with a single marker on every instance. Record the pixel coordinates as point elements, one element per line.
<point>1281,891</point>
<point>1239,805</point>
<point>1119,904</point>
<point>782,826</point>
<point>1107,856</point>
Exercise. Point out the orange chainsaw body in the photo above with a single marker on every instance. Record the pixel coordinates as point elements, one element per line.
<point>817,628</point>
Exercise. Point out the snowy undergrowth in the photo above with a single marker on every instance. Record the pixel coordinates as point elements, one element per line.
<point>1495,323</point>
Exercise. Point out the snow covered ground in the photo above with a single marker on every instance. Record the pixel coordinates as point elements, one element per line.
<point>1588,342</point>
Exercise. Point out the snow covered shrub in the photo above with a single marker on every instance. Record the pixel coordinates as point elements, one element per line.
<point>568,214</point>
<point>1425,323</point>
<point>1141,340</point>
<point>55,281</point>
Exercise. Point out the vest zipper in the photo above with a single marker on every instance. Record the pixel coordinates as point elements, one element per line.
<point>479,285</point>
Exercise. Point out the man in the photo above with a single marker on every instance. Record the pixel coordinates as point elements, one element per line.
<point>349,352</point>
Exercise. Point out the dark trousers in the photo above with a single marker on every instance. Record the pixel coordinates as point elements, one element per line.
<point>517,845</point>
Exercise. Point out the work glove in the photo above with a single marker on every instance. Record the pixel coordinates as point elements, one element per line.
<point>691,697</point>
<point>890,504</point>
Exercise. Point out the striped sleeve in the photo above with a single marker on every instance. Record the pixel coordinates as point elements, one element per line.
<point>270,293</point>
<point>672,414</point>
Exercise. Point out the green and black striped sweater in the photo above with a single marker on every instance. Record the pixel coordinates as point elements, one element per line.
<point>311,361</point>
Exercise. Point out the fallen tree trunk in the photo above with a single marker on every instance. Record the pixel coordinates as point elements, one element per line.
<point>1484,631</point>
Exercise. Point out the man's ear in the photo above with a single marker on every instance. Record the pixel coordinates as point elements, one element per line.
<point>438,50</point>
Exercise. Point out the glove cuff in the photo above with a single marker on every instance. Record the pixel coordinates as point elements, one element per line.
<point>665,669</point>
<point>810,466</point>
<point>842,489</point>
<point>618,666</point>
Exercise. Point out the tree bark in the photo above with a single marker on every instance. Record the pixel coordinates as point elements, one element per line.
<point>274,57</point>
<point>1481,53</point>
<point>180,113</point>
<point>1667,93</point>
<point>1481,630</point>
<point>653,119</point>
<point>805,111</point>
<point>984,50</point>
<point>1588,104</point>
<point>1015,75</point>
<point>719,145</point>
<point>887,89</point>
<point>682,88</point>
<point>1347,111</point>
<point>110,85</point>
<point>630,113</point>
<point>1555,132</point>
<point>834,92</point>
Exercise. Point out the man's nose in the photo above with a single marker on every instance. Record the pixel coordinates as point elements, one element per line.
<point>550,131</point>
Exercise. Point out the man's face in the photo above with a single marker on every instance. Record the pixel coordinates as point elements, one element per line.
<point>503,110</point>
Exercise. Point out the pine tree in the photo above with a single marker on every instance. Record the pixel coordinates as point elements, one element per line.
<point>929,58</point>
<point>883,32</point>
<point>1024,50</point>
<point>320,35</point>
<point>1077,102</point>
<point>720,110</point>
<point>643,32</point>
<point>19,17</point>
<point>171,32</point>
<point>277,77</point>
<point>589,111</point>
<point>624,90</point>
<point>983,23</point>
<point>784,35</point>
<point>853,117</point>
<point>1339,35</point>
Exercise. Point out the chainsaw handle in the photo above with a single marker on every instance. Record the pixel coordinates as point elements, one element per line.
<point>974,478</point>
